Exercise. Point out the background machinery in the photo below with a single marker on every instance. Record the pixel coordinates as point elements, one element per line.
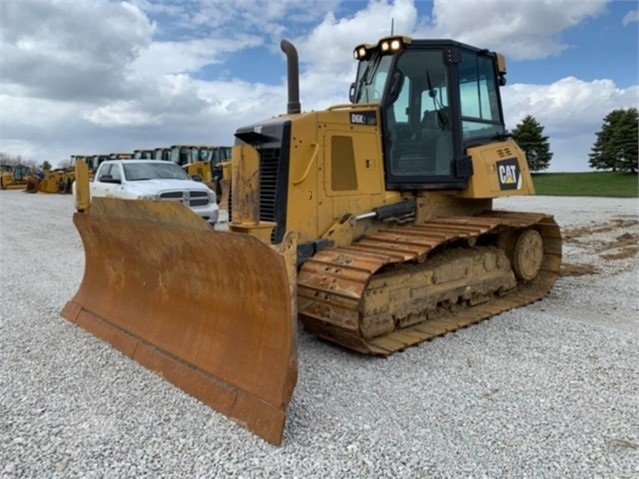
<point>144,154</point>
<point>162,153</point>
<point>185,154</point>
<point>121,156</point>
<point>15,177</point>
<point>94,161</point>
<point>371,221</point>
<point>58,180</point>
<point>206,162</point>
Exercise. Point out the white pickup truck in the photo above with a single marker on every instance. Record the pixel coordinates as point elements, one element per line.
<point>154,180</point>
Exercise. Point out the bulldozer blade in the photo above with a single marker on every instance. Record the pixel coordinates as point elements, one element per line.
<point>212,312</point>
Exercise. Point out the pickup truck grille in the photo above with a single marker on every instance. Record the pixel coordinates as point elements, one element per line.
<point>189,198</point>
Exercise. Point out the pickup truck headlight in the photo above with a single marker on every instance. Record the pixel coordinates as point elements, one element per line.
<point>147,197</point>
<point>212,196</point>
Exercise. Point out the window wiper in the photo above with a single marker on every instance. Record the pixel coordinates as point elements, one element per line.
<point>439,107</point>
<point>367,76</point>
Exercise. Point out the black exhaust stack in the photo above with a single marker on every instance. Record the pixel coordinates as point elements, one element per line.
<point>293,75</point>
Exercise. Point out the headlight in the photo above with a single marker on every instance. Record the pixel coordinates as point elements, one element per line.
<point>362,52</point>
<point>212,196</point>
<point>393,45</point>
<point>147,197</point>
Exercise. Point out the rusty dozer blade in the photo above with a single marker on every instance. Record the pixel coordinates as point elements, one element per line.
<point>212,312</point>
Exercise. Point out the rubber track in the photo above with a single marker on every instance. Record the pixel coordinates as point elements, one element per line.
<point>332,283</point>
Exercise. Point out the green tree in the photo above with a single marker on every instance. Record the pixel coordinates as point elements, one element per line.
<point>529,136</point>
<point>617,142</point>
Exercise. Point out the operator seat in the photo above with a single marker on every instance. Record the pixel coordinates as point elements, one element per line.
<point>437,140</point>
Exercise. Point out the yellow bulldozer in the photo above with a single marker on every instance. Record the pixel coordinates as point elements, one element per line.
<point>371,221</point>
<point>15,177</point>
<point>58,180</point>
<point>206,163</point>
<point>198,158</point>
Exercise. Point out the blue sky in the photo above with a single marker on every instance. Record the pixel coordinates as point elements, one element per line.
<point>599,47</point>
<point>96,77</point>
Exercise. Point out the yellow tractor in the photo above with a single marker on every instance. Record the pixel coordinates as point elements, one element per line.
<point>206,162</point>
<point>15,177</point>
<point>371,221</point>
<point>58,180</point>
<point>185,155</point>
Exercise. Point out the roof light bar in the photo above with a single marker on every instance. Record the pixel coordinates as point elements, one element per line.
<point>386,46</point>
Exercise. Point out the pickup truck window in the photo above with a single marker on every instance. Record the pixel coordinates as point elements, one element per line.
<point>154,170</point>
<point>111,173</point>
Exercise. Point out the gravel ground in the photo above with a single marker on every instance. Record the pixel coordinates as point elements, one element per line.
<point>550,390</point>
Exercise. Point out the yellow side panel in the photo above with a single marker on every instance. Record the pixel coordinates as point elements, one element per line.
<point>336,167</point>
<point>365,162</point>
<point>499,169</point>
<point>304,197</point>
<point>352,149</point>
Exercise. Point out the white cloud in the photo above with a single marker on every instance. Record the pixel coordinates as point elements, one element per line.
<point>36,113</point>
<point>266,18</point>
<point>189,55</point>
<point>630,17</point>
<point>99,77</point>
<point>43,129</point>
<point>71,51</point>
<point>520,30</point>
<point>121,113</point>
<point>328,47</point>
<point>568,104</point>
<point>571,112</point>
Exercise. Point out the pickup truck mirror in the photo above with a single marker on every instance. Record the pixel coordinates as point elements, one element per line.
<point>109,179</point>
<point>196,178</point>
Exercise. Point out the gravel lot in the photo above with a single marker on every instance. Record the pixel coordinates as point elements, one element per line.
<point>550,390</point>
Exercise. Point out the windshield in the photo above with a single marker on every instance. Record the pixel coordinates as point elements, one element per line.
<point>203,154</point>
<point>222,153</point>
<point>180,155</point>
<point>161,154</point>
<point>371,78</point>
<point>152,171</point>
<point>20,172</point>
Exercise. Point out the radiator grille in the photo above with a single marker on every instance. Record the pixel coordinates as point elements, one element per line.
<point>269,163</point>
<point>172,195</point>
<point>189,198</point>
<point>269,160</point>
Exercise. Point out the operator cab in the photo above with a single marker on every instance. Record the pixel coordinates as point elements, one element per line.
<point>20,172</point>
<point>436,98</point>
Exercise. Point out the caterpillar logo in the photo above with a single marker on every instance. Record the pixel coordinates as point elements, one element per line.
<point>509,176</point>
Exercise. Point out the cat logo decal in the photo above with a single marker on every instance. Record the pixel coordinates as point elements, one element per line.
<point>509,175</point>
